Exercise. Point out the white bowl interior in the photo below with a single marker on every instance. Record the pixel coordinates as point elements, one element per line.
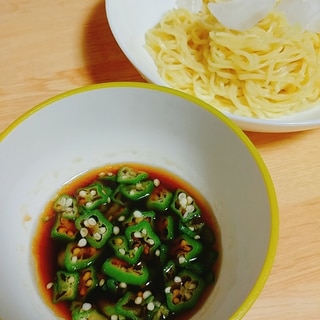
<point>113,123</point>
<point>129,21</point>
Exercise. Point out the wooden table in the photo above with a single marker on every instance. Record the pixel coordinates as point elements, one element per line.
<point>48,47</point>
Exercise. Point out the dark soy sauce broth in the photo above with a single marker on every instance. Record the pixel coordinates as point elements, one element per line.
<point>45,249</point>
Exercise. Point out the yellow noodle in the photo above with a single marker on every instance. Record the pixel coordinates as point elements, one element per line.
<point>268,71</point>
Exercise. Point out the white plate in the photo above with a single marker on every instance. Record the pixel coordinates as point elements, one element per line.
<point>129,20</point>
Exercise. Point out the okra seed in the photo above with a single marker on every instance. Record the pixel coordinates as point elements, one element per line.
<point>121,218</point>
<point>122,251</point>
<point>144,232</point>
<point>86,276</point>
<point>138,300</point>
<point>183,202</point>
<point>189,199</point>
<point>97,236</point>
<point>62,201</point>
<point>84,232</point>
<point>74,259</point>
<point>150,306</point>
<point>137,214</point>
<point>49,285</point>
<point>102,230</point>
<point>86,223</point>
<point>101,282</point>
<point>157,253</point>
<point>92,222</point>
<point>88,204</point>
<point>137,234</point>
<point>190,208</point>
<point>93,192</point>
<point>82,242</point>
<point>110,174</point>
<point>101,174</point>
<point>197,237</point>
<point>181,196</point>
<point>132,192</point>
<point>139,186</point>
<point>177,279</point>
<point>86,306</point>
<point>68,202</point>
<point>167,290</point>
<point>89,283</point>
<point>151,242</point>
<point>114,317</point>
<point>156,182</point>
<point>82,193</point>
<point>147,294</point>
<point>123,285</point>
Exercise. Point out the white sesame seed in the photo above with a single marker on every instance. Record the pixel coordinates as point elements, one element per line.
<point>116,230</point>
<point>101,282</point>
<point>167,289</point>
<point>150,306</point>
<point>146,294</point>
<point>121,218</point>
<point>177,279</point>
<point>138,300</point>
<point>86,306</point>
<point>137,214</point>
<point>122,285</point>
<point>197,237</point>
<point>82,193</point>
<point>114,317</point>
<point>157,253</point>
<point>156,182</point>
<point>82,242</point>
<point>49,285</point>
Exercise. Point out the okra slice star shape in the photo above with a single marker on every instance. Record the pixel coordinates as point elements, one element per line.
<point>94,228</point>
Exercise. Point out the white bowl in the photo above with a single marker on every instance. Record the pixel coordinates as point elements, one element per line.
<point>129,21</point>
<point>131,122</point>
